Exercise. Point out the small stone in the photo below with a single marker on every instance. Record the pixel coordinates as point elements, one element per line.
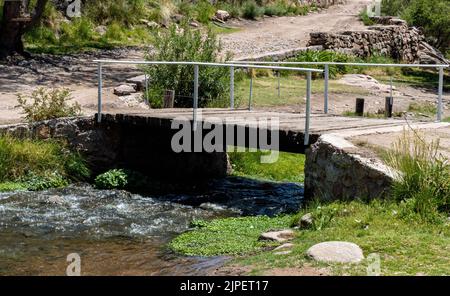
<point>101,30</point>
<point>124,90</point>
<point>55,199</point>
<point>283,253</point>
<point>194,24</point>
<point>306,221</point>
<point>284,246</point>
<point>336,252</point>
<point>278,236</point>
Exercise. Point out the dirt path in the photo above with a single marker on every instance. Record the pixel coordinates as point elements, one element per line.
<point>281,33</point>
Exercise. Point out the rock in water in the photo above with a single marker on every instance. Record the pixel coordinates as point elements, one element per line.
<point>336,252</point>
<point>278,236</point>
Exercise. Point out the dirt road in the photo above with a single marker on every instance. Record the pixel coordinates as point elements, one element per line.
<point>281,33</point>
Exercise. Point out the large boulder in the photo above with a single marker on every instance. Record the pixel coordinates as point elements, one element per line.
<point>336,252</point>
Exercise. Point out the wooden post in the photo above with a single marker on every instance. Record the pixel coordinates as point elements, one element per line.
<point>169,98</point>
<point>359,108</point>
<point>388,105</point>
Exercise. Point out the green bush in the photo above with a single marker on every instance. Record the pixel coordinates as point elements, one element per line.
<point>112,179</point>
<point>276,9</point>
<point>423,182</point>
<point>204,11</point>
<point>364,17</point>
<point>37,182</point>
<point>431,15</point>
<point>188,44</point>
<point>48,104</point>
<point>251,10</point>
<point>325,56</point>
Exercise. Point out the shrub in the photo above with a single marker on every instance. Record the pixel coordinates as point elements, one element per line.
<point>48,104</point>
<point>37,182</point>
<point>204,11</point>
<point>251,10</point>
<point>112,179</point>
<point>276,9</point>
<point>37,163</point>
<point>325,56</point>
<point>364,17</point>
<point>431,15</point>
<point>187,44</point>
<point>423,181</point>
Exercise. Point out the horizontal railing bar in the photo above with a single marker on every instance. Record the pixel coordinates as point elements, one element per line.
<point>343,64</point>
<point>251,66</point>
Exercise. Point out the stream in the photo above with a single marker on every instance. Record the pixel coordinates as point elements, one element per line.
<point>119,233</point>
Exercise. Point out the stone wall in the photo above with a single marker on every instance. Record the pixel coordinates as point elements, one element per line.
<point>391,37</point>
<point>129,144</point>
<point>335,171</point>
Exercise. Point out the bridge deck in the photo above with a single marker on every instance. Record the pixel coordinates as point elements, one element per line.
<point>294,122</point>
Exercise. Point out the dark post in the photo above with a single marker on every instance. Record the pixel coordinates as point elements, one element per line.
<point>169,98</point>
<point>359,108</point>
<point>388,105</point>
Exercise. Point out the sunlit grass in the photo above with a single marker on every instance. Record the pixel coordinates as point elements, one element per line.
<point>292,90</point>
<point>288,168</point>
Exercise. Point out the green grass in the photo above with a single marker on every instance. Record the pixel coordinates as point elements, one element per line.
<point>222,29</point>
<point>406,247</point>
<point>364,17</point>
<point>288,168</point>
<point>230,236</point>
<point>447,119</point>
<point>426,108</point>
<point>37,165</point>
<point>293,90</point>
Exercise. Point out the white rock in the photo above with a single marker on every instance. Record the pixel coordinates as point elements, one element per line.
<point>124,90</point>
<point>222,15</point>
<point>336,252</point>
<point>278,236</point>
<point>284,246</point>
<point>306,221</point>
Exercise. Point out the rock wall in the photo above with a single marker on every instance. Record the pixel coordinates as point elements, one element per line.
<point>392,37</point>
<point>335,171</point>
<point>128,144</point>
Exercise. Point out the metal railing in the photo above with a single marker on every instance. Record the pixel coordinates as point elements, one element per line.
<point>196,65</point>
<point>326,73</point>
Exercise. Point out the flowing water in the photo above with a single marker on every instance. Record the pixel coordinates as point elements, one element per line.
<point>119,233</point>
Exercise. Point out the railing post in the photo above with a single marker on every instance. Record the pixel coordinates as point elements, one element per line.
<point>100,86</point>
<point>440,88</point>
<point>326,77</point>
<point>231,88</point>
<point>251,92</point>
<point>194,115</point>
<point>279,84</point>
<point>146,87</point>
<point>308,107</point>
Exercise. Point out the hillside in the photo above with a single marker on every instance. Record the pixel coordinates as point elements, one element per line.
<point>105,24</point>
